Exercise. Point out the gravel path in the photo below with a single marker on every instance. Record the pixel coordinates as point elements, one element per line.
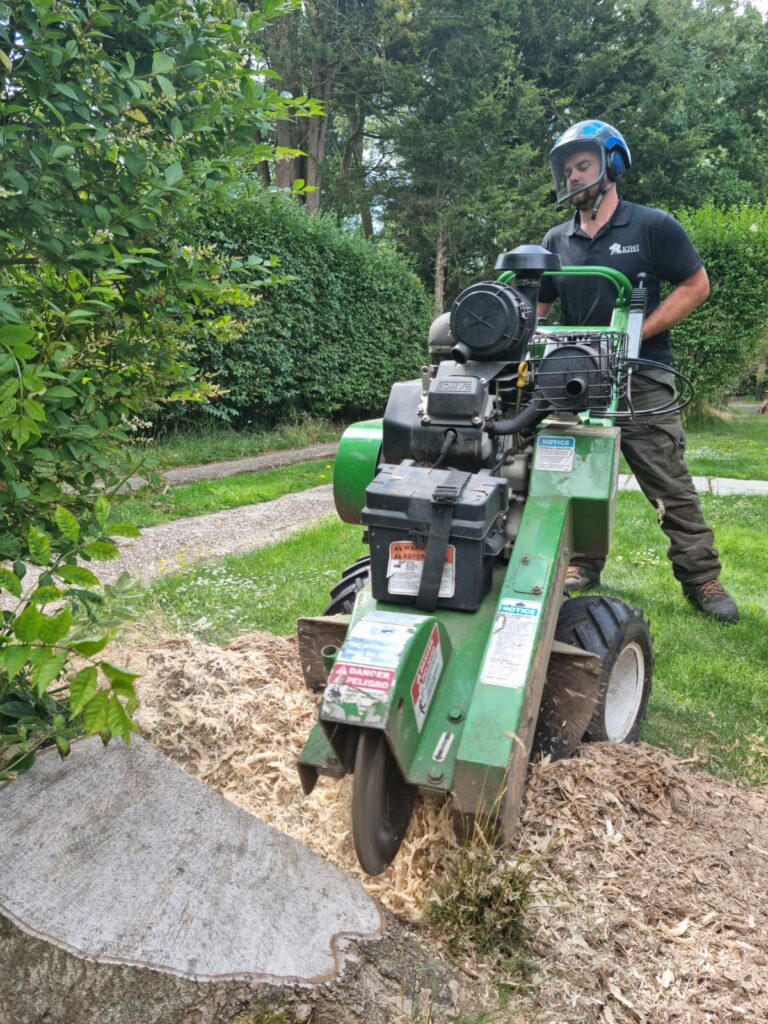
<point>234,467</point>
<point>177,545</point>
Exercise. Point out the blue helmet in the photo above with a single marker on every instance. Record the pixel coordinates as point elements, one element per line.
<point>597,136</point>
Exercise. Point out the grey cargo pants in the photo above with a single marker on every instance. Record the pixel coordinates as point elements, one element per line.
<point>655,451</point>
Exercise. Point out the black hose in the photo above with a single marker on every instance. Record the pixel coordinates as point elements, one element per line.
<point>531,415</point>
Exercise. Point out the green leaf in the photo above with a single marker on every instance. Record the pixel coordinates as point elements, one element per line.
<point>66,90</point>
<point>16,709</point>
<point>55,627</point>
<point>15,658</point>
<point>136,115</point>
<point>128,691</point>
<point>123,530</point>
<point>42,595</point>
<point>10,334</point>
<point>95,712</point>
<point>78,575</point>
<point>101,511</point>
<point>6,61</point>
<point>166,86</point>
<point>173,173</point>
<point>10,581</point>
<point>82,688</point>
<point>61,151</point>
<point>67,523</point>
<point>63,746</point>
<point>177,128</point>
<point>162,62</point>
<point>116,674</point>
<point>118,721</point>
<point>89,646</point>
<point>101,551</point>
<point>28,625</point>
<point>47,667</point>
<point>39,546</point>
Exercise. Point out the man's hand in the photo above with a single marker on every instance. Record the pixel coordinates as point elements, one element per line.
<point>689,294</point>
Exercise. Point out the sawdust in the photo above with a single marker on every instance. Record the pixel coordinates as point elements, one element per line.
<point>657,875</point>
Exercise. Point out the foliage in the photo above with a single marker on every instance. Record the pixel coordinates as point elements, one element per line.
<point>348,320</point>
<point>113,113</point>
<point>715,343</point>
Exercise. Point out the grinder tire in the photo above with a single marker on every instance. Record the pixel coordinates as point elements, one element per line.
<point>620,636</point>
<point>353,579</point>
<point>382,802</point>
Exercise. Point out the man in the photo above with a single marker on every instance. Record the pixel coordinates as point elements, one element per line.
<point>587,162</point>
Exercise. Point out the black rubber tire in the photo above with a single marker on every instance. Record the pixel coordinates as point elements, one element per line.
<point>621,637</point>
<point>382,803</point>
<point>353,579</point>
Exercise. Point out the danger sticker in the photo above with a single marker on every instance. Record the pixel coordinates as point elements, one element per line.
<point>406,564</point>
<point>509,654</point>
<point>352,704</point>
<point>364,677</point>
<point>427,675</point>
<point>555,454</point>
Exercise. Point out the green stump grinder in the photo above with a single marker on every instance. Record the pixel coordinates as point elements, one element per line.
<point>448,656</point>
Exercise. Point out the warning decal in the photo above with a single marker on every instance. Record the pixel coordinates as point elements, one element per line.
<point>506,663</point>
<point>427,675</point>
<point>440,752</point>
<point>406,563</point>
<point>555,454</point>
<point>362,676</point>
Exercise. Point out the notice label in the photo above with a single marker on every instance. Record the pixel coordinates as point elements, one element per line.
<point>406,564</point>
<point>555,454</point>
<point>508,657</point>
<point>425,681</point>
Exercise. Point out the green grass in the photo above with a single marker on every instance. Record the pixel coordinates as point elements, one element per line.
<point>219,444</point>
<point>736,448</point>
<point>266,589</point>
<point>206,496</point>
<point>710,696</point>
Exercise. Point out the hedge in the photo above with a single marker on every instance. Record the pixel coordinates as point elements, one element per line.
<point>715,344</point>
<point>350,320</point>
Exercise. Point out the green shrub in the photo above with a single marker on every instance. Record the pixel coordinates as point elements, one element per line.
<point>347,320</point>
<point>715,344</point>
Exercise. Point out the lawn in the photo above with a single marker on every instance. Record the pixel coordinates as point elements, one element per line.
<point>710,698</point>
<point>219,444</point>
<point>736,448</point>
<point>204,496</point>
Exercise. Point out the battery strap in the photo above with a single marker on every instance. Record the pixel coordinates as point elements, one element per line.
<point>444,498</point>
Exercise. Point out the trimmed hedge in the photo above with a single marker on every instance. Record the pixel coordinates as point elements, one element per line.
<point>331,340</point>
<point>715,344</point>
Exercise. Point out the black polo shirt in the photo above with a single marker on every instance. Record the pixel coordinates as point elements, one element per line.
<point>636,239</point>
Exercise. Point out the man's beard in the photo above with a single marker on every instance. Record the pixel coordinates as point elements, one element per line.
<point>586,200</point>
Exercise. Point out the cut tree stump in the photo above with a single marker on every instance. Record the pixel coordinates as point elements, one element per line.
<point>130,893</point>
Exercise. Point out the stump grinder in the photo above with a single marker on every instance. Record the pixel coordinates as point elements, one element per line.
<point>448,656</point>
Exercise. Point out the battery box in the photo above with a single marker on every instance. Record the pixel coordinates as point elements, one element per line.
<point>462,512</point>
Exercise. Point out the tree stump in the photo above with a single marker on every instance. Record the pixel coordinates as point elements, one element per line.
<point>130,893</point>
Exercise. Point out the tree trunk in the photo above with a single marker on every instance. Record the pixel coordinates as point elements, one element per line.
<point>317,129</point>
<point>130,892</point>
<point>761,385</point>
<point>440,264</point>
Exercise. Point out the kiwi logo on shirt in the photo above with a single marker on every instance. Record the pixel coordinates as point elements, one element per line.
<point>622,250</point>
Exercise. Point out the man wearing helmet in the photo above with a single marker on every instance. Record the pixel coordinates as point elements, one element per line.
<point>587,162</point>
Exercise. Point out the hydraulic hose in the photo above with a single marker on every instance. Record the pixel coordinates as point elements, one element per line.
<point>531,415</point>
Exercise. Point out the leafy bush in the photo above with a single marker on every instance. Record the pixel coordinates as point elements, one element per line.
<point>715,344</point>
<point>112,114</point>
<point>347,320</point>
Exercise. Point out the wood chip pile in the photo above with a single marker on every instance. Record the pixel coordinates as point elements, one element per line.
<point>657,876</point>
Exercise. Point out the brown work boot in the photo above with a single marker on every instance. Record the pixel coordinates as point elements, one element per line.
<point>713,599</point>
<point>578,577</point>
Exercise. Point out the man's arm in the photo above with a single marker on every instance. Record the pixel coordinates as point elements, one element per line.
<point>681,301</point>
<point>543,308</point>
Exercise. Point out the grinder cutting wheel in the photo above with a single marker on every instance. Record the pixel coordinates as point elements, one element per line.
<point>448,655</point>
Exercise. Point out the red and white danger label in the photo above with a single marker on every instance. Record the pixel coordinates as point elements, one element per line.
<point>427,675</point>
<point>363,676</point>
<point>406,564</point>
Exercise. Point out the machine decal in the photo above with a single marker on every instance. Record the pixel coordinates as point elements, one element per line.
<point>443,746</point>
<point>555,454</point>
<point>363,676</point>
<point>506,663</point>
<point>378,639</point>
<point>406,562</point>
<point>427,675</point>
<point>353,703</point>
